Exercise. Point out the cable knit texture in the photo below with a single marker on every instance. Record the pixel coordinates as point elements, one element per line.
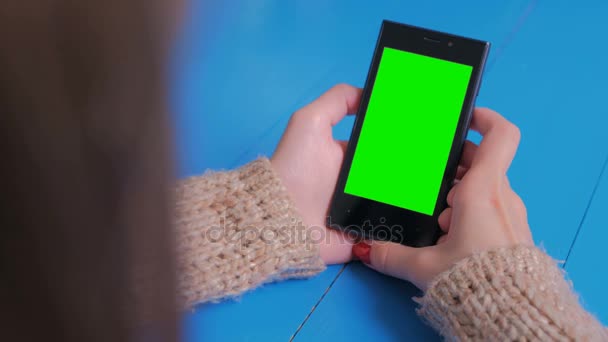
<point>508,294</point>
<point>237,230</point>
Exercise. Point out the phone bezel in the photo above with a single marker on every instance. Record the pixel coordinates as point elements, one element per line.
<point>379,221</point>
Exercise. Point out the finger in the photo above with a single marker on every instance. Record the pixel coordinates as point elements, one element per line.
<point>442,239</point>
<point>499,143</point>
<point>334,104</point>
<point>396,260</point>
<point>444,219</point>
<point>451,194</point>
<point>460,173</point>
<point>468,153</point>
<point>343,145</point>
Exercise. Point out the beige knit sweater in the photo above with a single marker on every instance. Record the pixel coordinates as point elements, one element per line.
<point>238,229</point>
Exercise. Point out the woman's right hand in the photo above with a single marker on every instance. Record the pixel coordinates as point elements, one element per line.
<point>484,212</point>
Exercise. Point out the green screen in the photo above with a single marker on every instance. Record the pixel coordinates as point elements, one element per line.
<point>408,130</point>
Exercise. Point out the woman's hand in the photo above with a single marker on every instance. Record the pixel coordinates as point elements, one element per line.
<point>308,161</point>
<point>484,213</point>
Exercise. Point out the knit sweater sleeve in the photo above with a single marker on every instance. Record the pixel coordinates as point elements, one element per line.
<point>514,293</point>
<point>237,230</point>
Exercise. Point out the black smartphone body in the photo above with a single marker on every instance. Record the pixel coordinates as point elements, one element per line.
<point>408,135</point>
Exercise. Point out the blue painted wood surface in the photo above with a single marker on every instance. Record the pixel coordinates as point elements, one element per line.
<point>586,265</point>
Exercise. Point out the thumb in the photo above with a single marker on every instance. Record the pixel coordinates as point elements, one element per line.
<point>393,259</point>
<point>336,103</point>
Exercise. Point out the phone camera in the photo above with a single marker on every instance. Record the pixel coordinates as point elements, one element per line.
<point>450,43</point>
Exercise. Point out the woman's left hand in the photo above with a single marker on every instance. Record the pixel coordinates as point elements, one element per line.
<point>308,160</point>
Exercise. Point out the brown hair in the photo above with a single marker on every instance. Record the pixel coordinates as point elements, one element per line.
<point>85,250</point>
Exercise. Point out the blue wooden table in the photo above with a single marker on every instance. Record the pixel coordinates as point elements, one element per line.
<point>240,68</point>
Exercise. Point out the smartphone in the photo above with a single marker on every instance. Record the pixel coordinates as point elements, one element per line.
<point>408,135</point>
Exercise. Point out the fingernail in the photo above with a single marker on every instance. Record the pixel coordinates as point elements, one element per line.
<point>362,251</point>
